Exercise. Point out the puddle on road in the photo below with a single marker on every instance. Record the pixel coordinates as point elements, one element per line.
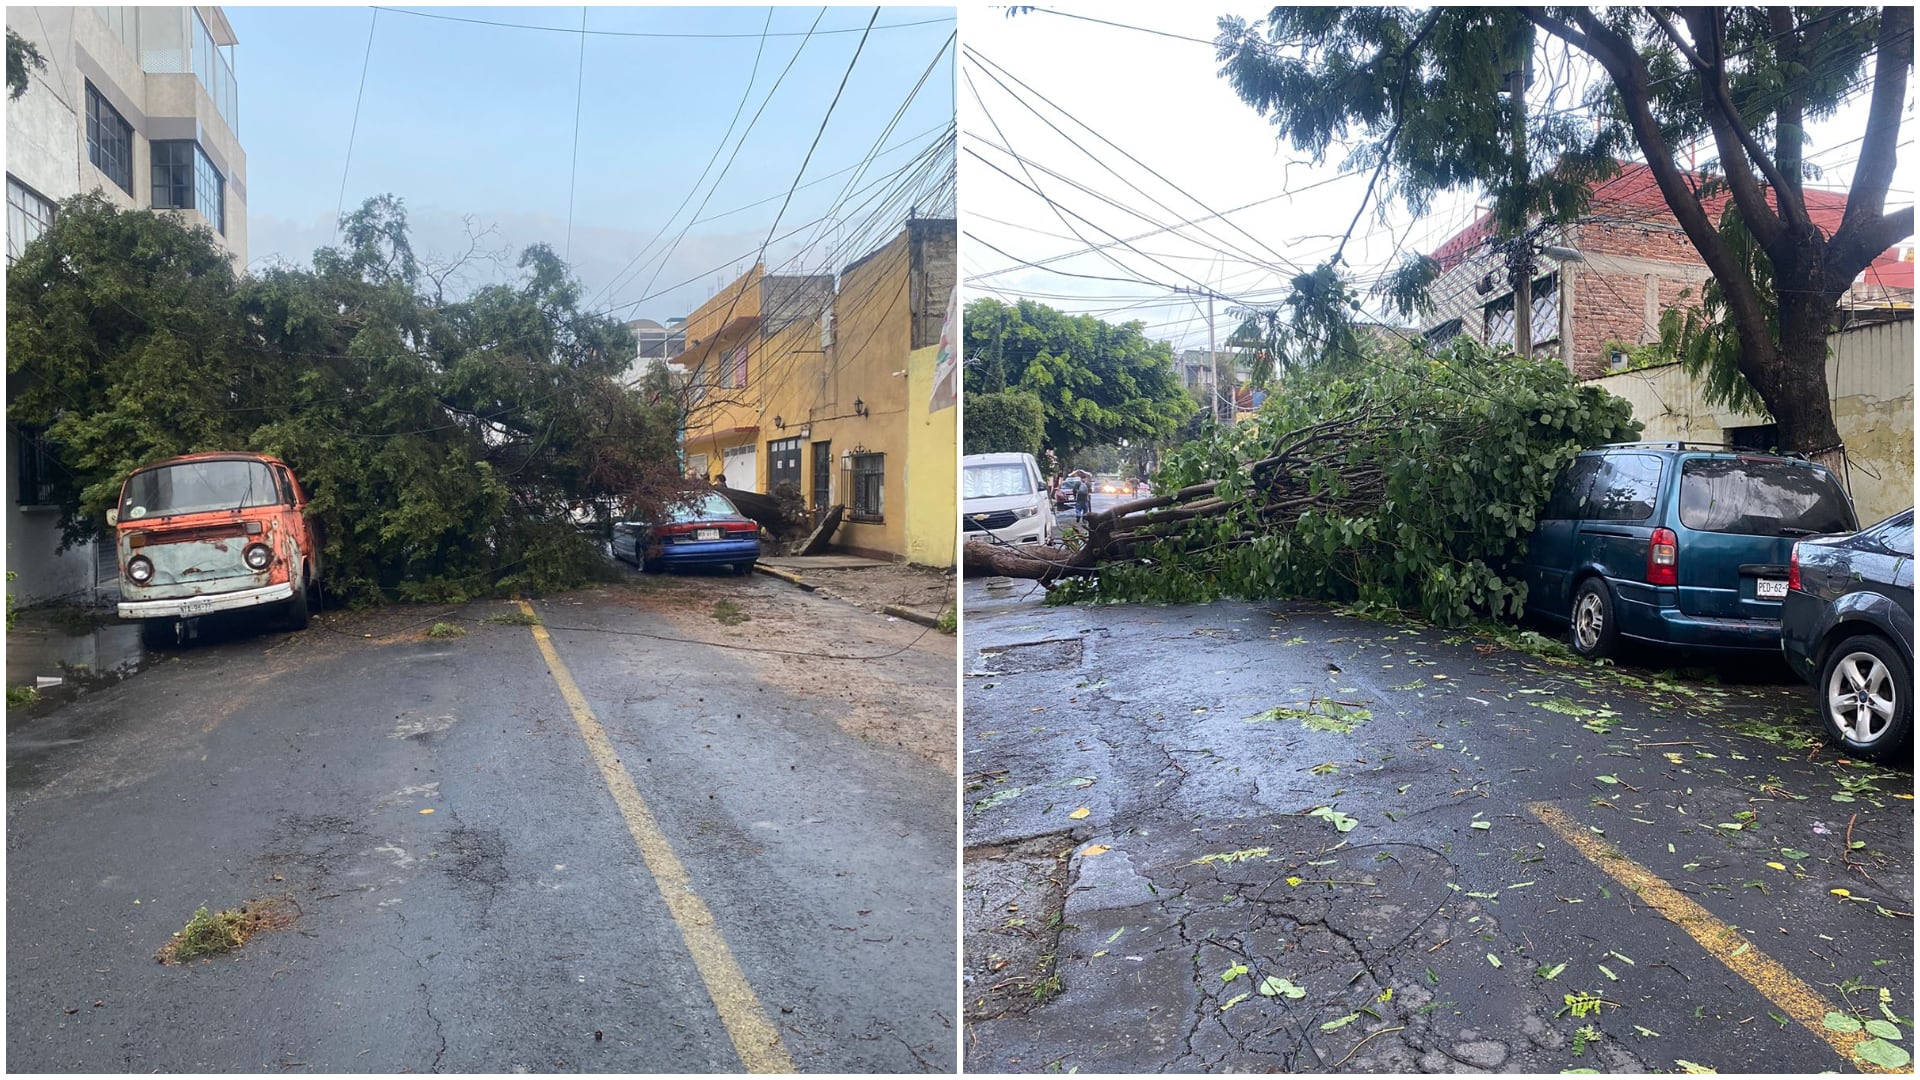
<point>43,646</point>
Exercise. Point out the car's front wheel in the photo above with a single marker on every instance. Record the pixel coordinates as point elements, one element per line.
<point>1592,628</point>
<point>1866,697</point>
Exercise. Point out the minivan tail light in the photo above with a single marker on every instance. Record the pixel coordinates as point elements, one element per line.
<point>1793,570</point>
<point>1663,558</point>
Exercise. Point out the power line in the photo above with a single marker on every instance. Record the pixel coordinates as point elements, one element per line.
<point>579,84</point>
<point>724,169</point>
<point>659,33</point>
<point>715,156</point>
<point>340,205</point>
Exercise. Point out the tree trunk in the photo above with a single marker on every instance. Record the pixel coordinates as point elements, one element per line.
<point>1042,564</point>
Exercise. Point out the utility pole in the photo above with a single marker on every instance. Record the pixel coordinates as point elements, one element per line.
<point>1520,253</point>
<point>1213,353</point>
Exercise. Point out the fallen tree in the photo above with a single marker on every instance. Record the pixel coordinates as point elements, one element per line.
<point>1412,484</point>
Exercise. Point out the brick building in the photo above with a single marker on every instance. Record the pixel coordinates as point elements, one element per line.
<point>1635,263</point>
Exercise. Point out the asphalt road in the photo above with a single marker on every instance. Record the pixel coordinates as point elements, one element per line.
<point>1274,837</point>
<point>472,886</point>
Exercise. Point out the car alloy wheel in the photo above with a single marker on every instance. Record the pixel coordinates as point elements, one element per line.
<point>1591,620</point>
<point>1861,698</point>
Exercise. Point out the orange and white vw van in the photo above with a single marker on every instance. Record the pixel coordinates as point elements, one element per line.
<point>212,532</point>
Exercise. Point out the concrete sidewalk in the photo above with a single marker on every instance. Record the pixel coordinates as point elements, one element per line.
<point>915,593</point>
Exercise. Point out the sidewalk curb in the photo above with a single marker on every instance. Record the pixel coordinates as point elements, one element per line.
<point>912,615</point>
<point>787,576</point>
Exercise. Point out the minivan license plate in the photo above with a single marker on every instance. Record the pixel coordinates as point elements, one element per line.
<point>714,534</point>
<point>1771,589</point>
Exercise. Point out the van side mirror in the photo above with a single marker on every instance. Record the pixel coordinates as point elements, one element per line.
<point>113,516</point>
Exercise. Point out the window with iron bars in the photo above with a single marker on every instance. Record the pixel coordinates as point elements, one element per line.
<point>869,486</point>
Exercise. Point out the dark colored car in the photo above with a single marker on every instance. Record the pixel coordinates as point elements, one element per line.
<point>1063,498</point>
<point>709,532</point>
<point>1847,628</point>
<point>1676,544</point>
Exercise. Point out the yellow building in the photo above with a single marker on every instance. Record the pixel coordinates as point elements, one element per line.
<point>793,381</point>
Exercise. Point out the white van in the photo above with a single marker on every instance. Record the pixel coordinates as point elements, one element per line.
<point>1005,497</point>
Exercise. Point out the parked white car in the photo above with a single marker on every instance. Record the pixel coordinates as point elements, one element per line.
<point>1004,496</point>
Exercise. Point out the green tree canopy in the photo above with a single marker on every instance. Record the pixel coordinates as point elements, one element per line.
<point>1097,382</point>
<point>1421,98</point>
<point>442,442</point>
<point>1012,421</point>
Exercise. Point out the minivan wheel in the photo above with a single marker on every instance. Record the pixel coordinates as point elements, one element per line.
<point>1591,620</point>
<point>1866,697</point>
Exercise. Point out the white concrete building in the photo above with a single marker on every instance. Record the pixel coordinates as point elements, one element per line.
<point>141,105</point>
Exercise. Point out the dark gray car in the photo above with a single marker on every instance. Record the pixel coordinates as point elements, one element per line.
<point>1847,627</point>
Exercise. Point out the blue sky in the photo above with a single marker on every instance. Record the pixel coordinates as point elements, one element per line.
<point>463,119</point>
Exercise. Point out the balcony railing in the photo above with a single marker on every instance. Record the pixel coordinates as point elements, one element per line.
<point>176,41</point>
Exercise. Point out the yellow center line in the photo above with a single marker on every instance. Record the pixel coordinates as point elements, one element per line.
<point>1721,940</point>
<point>754,1038</point>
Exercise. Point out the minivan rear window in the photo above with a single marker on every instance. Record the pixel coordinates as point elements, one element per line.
<point>1761,497</point>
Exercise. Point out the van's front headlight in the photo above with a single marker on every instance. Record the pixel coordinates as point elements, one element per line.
<point>1026,511</point>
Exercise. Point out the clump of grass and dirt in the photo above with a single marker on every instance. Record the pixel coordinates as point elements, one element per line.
<point>210,933</point>
<point>514,618</point>
<point>22,697</point>
<point>446,630</point>
<point>728,613</point>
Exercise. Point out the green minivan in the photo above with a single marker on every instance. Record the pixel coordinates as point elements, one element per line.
<point>1676,544</point>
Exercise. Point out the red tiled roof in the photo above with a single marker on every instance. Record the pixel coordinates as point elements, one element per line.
<point>1634,192</point>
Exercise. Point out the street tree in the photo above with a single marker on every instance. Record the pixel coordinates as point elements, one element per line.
<point>23,58</point>
<point>1423,100</point>
<point>444,442</point>
<point>1097,382</point>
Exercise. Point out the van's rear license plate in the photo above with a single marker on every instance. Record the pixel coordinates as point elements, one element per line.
<point>1771,589</point>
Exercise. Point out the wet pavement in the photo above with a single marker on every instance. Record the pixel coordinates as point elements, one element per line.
<point>467,891</point>
<point>1275,837</point>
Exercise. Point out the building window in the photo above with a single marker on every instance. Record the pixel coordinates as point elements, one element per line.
<point>173,175</point>
<point>733,373</point>
<point>184,179</point>
<point>210,193</point>
<point>28,215</point>
<point>1546,315</point>
<point>869,484</point>
<point>109,140</point>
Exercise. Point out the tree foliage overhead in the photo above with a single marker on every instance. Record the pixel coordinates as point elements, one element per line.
<point>1411,484</point>
<point>1419,97</point>
<point>442,442</point>
<point>1097,382</point>
<point>23,58</point>
<point>1011,421</point>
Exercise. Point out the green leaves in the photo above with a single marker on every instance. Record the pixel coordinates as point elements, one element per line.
<point>441,441</point>
<point>1335,818</point>
<point>1274,986</point>
<point>1392,510</point>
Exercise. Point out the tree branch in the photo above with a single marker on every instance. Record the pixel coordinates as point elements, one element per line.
<point>1622,61</point>
<point>1738,145</point>
<point>1867,198</point>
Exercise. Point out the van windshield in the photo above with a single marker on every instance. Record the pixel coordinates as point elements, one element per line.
<point>195,487</point>
<point>1760,497</point>
<point>993,481</point>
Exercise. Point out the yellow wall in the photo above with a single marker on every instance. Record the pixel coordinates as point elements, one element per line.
<point>862,389</point>
<point>933,458</point>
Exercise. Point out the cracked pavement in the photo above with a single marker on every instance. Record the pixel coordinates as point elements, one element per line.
<point>1267,837</point>
<point>468,896</point>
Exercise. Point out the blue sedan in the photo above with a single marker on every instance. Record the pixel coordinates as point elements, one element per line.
<point>707,532</point>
